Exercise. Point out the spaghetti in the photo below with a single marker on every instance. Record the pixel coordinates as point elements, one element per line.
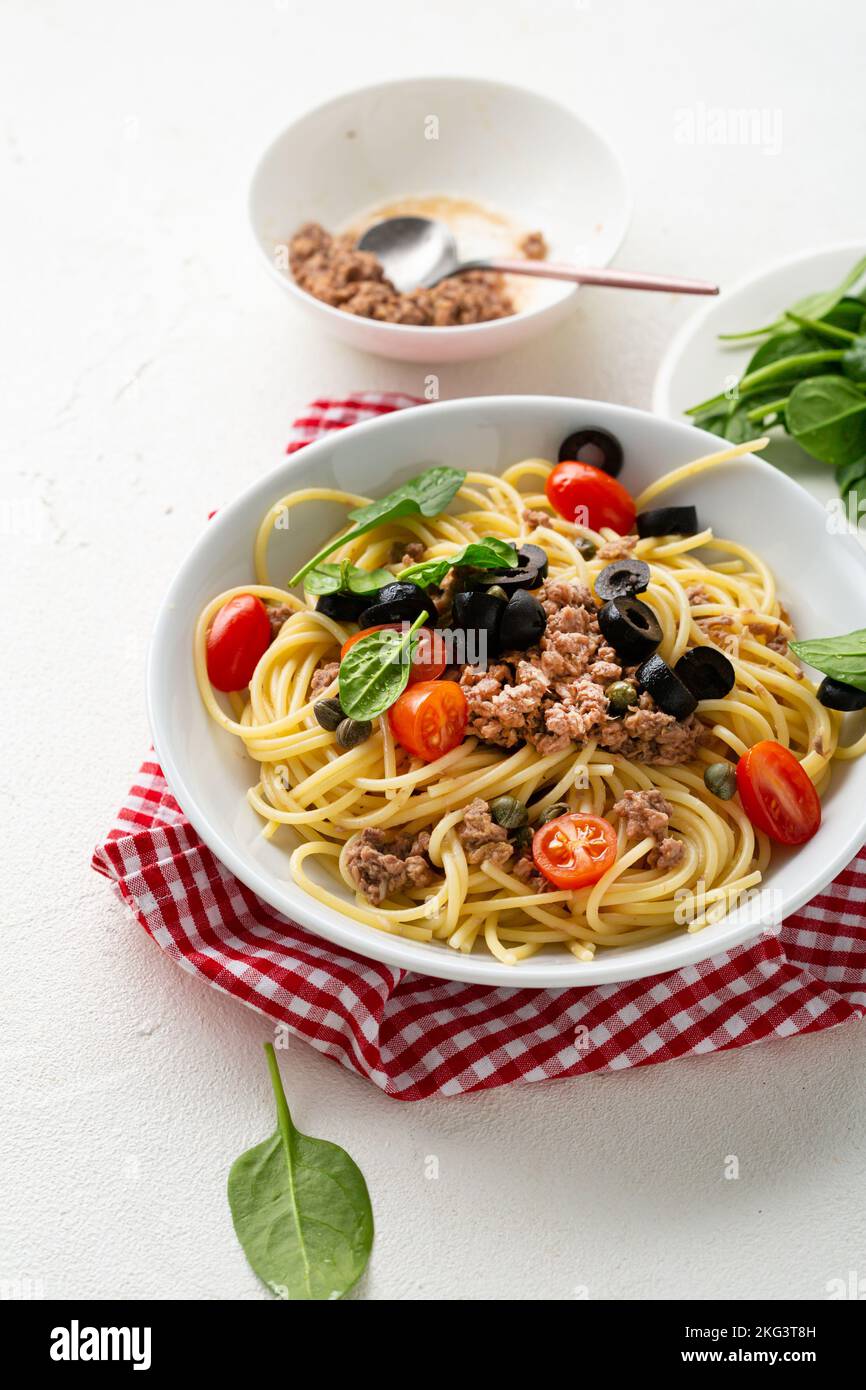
<point>703,590</point>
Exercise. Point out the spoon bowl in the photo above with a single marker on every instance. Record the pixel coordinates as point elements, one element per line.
<point>418,252</point>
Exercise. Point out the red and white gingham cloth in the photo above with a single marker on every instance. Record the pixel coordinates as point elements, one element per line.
<point>417,1037</point>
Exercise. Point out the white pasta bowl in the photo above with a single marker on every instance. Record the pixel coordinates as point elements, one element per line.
<point>821,577</point>
<point>514,152</point>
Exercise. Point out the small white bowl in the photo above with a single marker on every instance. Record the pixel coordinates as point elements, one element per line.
<point>821,577</point>
<point>514,152</point>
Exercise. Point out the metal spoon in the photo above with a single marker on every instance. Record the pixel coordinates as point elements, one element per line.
<point>418,252</point>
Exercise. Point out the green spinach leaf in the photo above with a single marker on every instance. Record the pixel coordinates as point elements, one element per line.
<point>490,553</point>
<point>813,306</point>
<point>345,578</point>
<point>301,1210</point>
<point>843,658</point>
<point>827,416</point>
<point>375,671</point>
<point>426,495</point>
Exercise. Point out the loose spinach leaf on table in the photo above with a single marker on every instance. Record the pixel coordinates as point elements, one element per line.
<point>827,416</point>
<point>349,579</point>
<point>375,671</point>
<point>426,495</point>
<point>489,553</point>
<point>301,1210</point>
<point>843,658</point>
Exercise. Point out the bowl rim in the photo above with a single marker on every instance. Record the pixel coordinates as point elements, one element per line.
<point>694,325</point>
<point>546,971</point>
<point>465,329</point>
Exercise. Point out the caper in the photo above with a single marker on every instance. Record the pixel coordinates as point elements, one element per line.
<point>351,732</point>
<point>329,714</point>
<point>620,695</point>
<point>559,808</point>
<point>507,811</point>
<point>721,780</point>
<point>496,591</point>
<point>585,547</point>
<point>522,840</point>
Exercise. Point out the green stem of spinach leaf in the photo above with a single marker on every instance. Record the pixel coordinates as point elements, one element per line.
<point>785,368</point>
<point>823,330</point>
<point>771,408</point>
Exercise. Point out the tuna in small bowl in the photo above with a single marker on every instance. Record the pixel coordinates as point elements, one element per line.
<point>496,163</point>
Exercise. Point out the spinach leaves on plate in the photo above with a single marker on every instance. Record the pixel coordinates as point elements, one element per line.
<point>345,578</point>
<point>808,378</point>
<point>488,553</point>
<point>301,1209</point>
<point>842,658</point>
<point>375,670</point>
<point>426,495</point>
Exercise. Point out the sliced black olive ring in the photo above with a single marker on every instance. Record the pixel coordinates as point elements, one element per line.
<point>597,447</point>
<point>839,695</point>
<point>631,628</point>
<point>529,573</point>
<point>622,577</point>
<point>342,608</point>
<point>668,521</point>
<point>666,688</point>
<point>399,602</point>
<point>706,672</point>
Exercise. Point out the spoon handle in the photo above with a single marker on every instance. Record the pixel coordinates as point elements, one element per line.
<point>615,279</point>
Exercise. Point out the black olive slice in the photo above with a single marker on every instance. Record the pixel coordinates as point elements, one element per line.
<point>343,608</point>
<point>475,608</point>
<point>708,674</point>
<point>476,611</point>
<point>839,695</point>
<point>622,577</point>
<point>523,622</point>
<point>630,627</point>
<point>668,521</point>
<point>666,688</point>
<point>597,447</point>
<point>530,572</point>
<point>396,603</point>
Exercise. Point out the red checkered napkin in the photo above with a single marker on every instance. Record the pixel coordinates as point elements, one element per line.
<point>416,1037</point>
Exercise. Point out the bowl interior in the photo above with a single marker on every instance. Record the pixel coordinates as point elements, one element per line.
<point>513,151</point>
<point>821,581</point>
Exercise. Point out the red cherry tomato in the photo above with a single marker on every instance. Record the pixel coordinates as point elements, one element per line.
<point>584,494</point>
<point>574,851</point>
<point>429,719</point>
<point>239,636</point>
<point>777,795</point>
<point>430,654</point>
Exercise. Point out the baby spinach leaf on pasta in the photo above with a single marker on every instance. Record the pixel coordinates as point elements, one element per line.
<point>375,671</point>
<point>345,578</point>
<point>843,658</point>
<point>426,495</point>
<point>490,553</point>
<point>827,416</point>
<point>301,1210</point>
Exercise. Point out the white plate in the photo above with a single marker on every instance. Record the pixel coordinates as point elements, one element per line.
<point>514,152</point>
<point>697,366</point>
<point>821,578</point>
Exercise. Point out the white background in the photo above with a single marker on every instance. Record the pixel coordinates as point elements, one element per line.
<point>149,371</point>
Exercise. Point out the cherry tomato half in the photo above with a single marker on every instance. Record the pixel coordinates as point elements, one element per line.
<point>239,636</point>
<point>429,719</point>
<point>430,653</point>
<point>777,795</point>
<point>584,494</point>
<point>574,851</point>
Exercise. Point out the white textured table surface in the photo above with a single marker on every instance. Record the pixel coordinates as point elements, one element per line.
<point>149,371</point>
